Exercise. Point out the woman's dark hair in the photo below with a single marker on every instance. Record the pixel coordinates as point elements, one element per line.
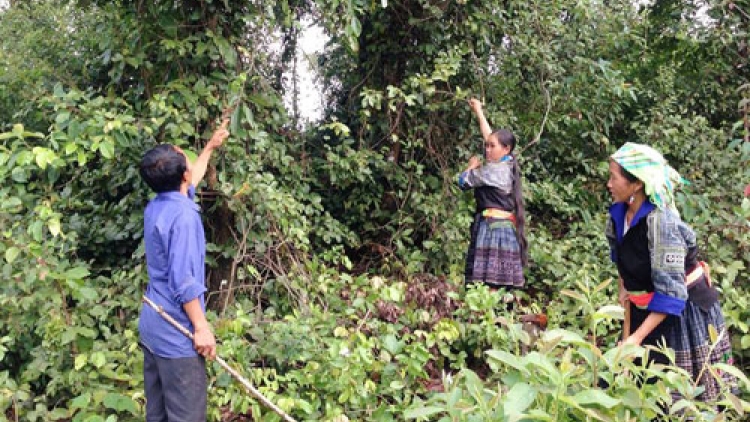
<point>506,137</point>
<point>162,168</point>
<point>628,175</point>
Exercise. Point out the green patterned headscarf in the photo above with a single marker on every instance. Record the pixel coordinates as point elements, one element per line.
<point>650,167</point>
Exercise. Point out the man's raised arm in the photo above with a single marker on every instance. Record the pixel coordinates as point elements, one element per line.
<point>201,163</point>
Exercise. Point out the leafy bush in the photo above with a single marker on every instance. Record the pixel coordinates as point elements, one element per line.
<point>336,252</point>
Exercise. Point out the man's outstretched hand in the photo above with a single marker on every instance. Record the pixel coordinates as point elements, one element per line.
<point>219,136</point>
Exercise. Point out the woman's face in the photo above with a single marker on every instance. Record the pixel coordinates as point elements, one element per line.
<point>618,185</point>
<point>494,150</point>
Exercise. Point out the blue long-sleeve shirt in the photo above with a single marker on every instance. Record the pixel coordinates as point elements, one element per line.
<point>175,256</point>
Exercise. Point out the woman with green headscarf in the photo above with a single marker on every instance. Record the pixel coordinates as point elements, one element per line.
<point>667,292</point>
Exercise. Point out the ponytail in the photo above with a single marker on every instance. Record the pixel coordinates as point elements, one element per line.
<point>520,212</point>
<point>506,137</point>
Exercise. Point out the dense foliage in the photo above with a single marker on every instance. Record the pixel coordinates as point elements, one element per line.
<point>336,250</point>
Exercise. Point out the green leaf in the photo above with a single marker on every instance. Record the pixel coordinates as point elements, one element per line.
<point>356,26</point>
<point>120,403</point>
<point>87,332</point>
<point>731,369</point>
<point>397,385</point>
<point>247,113</point>
<point>80,402</point>
<point>24,157</point>
<point>80,361</point>
<point>43,156</point>
<point>68,336</point>
<point>58,414</point>
<point>596,398</point>
<point>630,396</point>
<point>712,333</point>
<point>544,362</point>
<point>518,399</point>
<point>33,134</point>
<point>256,99</point>
<point>62,118</point>
<point>353,40</point>
<point>88,293</point>
<point>74,129</point>
<point>70,147</point>
<point>610,312</point>
<point>35,230</point>
<point>566,336</point>
<point>11,254</point>
<point>745,341</point>
<point>54,226</point>
<point>474,384</point>
<point>107,148</point>
<point>18,174</point>
<point>511,360</point>
<point>573,294</point>
<point>392,344</point>
<point>76,273</point>
<point>17,130</point>
<point>422,412</point>
<point>98,359</point>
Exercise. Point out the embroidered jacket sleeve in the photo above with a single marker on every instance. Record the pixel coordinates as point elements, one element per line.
<point>498,175</point>
<point>668,242</point>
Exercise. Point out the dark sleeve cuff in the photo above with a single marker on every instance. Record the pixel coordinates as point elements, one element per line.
<point>462,180</point>
<point>666,304</point>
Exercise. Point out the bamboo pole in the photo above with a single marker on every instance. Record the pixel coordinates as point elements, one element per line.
<point>242,380</point>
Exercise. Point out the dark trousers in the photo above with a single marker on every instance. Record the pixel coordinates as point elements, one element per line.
<point>175,388</point>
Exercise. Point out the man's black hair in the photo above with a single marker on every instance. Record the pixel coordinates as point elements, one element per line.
<point>162,168</point>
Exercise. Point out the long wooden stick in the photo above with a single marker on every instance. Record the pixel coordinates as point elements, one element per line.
<point>242,380</point>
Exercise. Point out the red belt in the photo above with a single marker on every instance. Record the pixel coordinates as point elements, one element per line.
<point>499,214</point>
<point>642,300</point>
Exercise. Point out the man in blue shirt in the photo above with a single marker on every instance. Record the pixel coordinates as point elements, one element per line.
<point>174,366</point>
